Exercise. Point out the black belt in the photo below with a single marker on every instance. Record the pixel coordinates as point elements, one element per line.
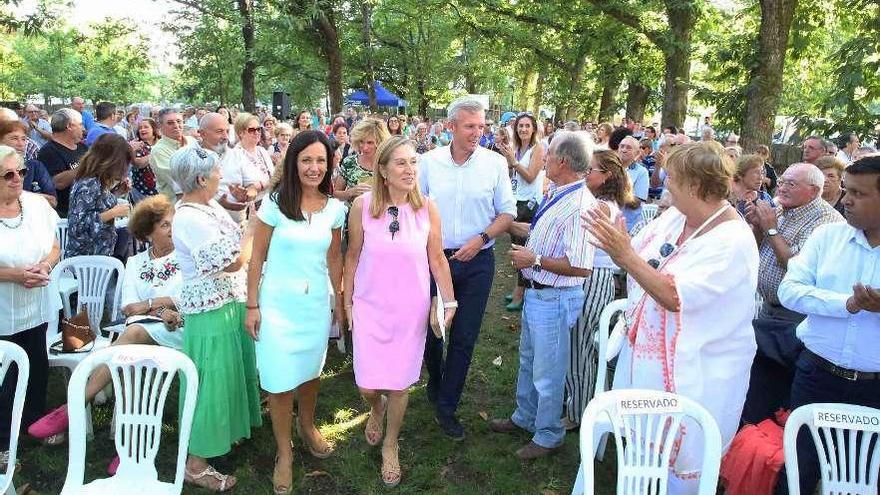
<point>449,253</point>
<point>531,284</point>
<point>847,374</point>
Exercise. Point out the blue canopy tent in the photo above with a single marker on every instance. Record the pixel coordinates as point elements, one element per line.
<point>384,98</point>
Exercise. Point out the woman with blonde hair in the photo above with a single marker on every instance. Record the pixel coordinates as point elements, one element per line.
<point>246,169</point>
<point>357,169</point>
<point>610,184</point>
<point>747,182</point>
<point>603,134</point>
<point>393,225</point>
<point>694,259</point>
<point>832,168</point>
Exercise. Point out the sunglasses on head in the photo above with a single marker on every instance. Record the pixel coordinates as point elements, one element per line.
<point>253,130</point>
<point>394,226</point>
<point>665,250</point>
<point>8,176</point>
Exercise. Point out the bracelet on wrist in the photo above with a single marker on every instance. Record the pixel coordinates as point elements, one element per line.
<point>255,306</point>
<point>450,305</point>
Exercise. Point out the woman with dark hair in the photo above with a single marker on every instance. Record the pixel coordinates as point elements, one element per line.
<point>143,179</point>
<point>303,121</point>
<point>525,162</point>
<point>224,111</point>
<point>95,197</point>
<point>610,184</point>
<point>395,128</point>
<point>288,304</point>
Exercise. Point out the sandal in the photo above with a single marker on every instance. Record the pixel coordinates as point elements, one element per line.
<point>226,481</point>
<point>281,489</point>
<point>391,474</point>
<point>377,430</point>
<point>326,450</point>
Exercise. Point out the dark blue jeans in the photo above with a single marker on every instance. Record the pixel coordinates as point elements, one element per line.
<point>471,282</point>
<point>811,385</point>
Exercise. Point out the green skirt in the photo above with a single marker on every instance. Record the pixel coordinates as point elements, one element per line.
<point>228,404</point>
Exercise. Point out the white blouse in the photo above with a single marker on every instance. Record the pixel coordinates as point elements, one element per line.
<point>207,240</point>
<point>147,278</point>
<point>244,169</point>
<point>20,308</point>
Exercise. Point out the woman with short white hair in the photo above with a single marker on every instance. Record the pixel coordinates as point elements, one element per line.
<point>211,252</point>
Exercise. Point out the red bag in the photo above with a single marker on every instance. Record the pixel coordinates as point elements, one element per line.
<point>752,465</point>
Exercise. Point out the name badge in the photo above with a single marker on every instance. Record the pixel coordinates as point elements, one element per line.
<point>832,418</point>
<point>649,404</point>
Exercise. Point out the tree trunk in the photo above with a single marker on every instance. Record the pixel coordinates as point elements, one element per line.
<point>325,25</point>
<point>539,94</point>
<point>607,104</point>
<point>682,16</point>
<point>576,76</point>
<point>636,101</point>
<point>367,14</point>
<point>765,77</point>
<point>248,93</point>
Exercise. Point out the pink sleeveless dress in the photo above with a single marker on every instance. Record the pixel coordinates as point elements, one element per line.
<point>391,299</point>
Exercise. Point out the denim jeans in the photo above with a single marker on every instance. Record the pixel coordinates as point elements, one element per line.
<point>547,318</point>
<point>471,281</point>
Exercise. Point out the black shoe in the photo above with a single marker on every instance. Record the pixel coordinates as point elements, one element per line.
<point>451,427</point>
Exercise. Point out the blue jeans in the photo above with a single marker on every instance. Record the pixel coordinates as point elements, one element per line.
<point>471,281</point>
<point>811,385</point>
<point>547,318</point>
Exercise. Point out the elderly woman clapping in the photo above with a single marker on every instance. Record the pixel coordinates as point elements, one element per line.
<point>28,251</point>
<point>695,258</point>
<point>211,252</point>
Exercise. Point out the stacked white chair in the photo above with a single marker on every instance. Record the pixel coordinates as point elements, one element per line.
<point>13,354</point>
<point>646,425</point>
<point>847,440</point>
<point>66,283</point>
<point>142,376</point>
<point>649,212</point>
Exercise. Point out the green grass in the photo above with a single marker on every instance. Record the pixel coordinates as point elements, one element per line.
<point>482,464</point>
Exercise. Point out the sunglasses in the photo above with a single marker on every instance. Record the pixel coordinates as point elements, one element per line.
<point>253,130</point>
<point>665,250</point>
<point>8,176</point>
<point>394,226</point>
<point>599,170</point>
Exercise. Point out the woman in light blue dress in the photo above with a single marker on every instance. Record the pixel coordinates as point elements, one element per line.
<point>298,236</point>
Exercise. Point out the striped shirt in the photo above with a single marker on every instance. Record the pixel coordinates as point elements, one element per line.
<point>559,233</point>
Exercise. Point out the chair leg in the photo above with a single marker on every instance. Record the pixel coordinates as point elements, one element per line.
<point>600,447</point>
<point>578,488</point>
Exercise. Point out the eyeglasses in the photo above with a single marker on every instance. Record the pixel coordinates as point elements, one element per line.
<point>8,176</point>
<point>665,250</point>
<point>253,130</point>
<point>787,183</point>
<point>590,171</point>
<point>394,226</point>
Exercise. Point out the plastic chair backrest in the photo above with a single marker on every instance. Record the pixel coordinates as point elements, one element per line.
<point>605,318</point>
<point>847,440</point>
<point>649,211</point>
<point>62,236</point>
<point>646,425</point>
<point>13,354</point>
<point>142,376</point>
<point>93,275</point>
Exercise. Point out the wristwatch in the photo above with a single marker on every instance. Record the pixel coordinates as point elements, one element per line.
<point>536,266</point>
<point>485,237</point>
<point>772,232</point>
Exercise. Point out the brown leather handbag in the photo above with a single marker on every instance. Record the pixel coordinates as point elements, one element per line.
<point>76,333</point>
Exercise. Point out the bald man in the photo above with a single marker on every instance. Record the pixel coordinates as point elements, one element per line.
<point>628,152</point>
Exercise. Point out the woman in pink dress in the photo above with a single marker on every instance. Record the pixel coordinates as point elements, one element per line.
<point>394,247</point>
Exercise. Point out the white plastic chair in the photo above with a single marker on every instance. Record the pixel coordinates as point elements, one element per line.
<point>66,284</point>
<point>846,437</point>
<point>646,425</point>
<point>13,354</point>
<point>61,233</point>
<point>142,376</point>
<point>649,211</point>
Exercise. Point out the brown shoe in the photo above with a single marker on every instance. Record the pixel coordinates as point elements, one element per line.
<point>532,450</point>
<point>505,425</point>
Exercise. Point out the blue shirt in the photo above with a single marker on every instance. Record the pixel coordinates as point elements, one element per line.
<point>486,141</point>
<point>638,175</point>
<point>97,131</point>
<point>818,283</point>
<point>88,120</point>
<point>469,196</point>
<point>37,178</point>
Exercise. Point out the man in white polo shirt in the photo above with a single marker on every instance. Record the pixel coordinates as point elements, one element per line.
<point>472,191</point>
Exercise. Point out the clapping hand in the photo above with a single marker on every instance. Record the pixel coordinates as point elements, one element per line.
<point>239,193</point>
<point>863,298</point>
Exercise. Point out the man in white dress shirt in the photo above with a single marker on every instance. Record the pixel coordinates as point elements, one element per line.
<point>835,281</point>
<point>472,190</point>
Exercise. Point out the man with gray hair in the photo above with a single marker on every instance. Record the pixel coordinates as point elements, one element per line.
<point>39,131</point>
<point>79,104</point>
<point>171,128</point>
<point>62,154</point>
<point>780,233</point>
<point>214,132</point>
<point>555,262</point>
<point>813,149</point>
<point>628,152</point>
<point>472,191</point>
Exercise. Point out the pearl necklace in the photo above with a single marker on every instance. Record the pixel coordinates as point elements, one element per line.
<point>20,217</point>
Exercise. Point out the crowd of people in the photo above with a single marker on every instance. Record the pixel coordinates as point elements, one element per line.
<point>250,241</point>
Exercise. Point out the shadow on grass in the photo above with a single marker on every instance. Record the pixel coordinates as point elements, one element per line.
<point>482,464</point>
